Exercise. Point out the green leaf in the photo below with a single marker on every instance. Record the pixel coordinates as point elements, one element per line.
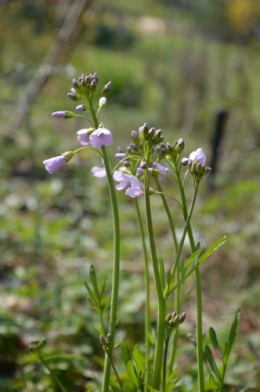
<point>132,373</point>
<point>233,333</point>
<point>212,248</point>
<point>214,341</point>
<point>91,293</point>
<point>191,259</point>
<point>139,358</point>
<point>93,278</point>
<point>212,362</point>
<point>213,382</point>
<point>125,353</point>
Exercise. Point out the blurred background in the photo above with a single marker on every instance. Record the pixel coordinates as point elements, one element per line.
<point>189,68</point>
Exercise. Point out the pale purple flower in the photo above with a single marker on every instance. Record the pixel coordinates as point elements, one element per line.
<point>136,188</point>
<point>101,137</point>
<point>120,155</point>
<point>83,137</point>
<point>198,156</point>
<point>81,108</point>
<point>53,164</point>
<point>59,114</point>
<point>162,169</point>
<point>98,172</point>
<point>122,178</point>
<point>133,186</point>
<point>63,114</point>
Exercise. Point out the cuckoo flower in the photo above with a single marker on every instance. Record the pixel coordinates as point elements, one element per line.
<point>101,137</point>
<point>198,156</point>
<point>83,136</point>
<point>133,186</point>
<point>98,172</point>
<point>54,164</point>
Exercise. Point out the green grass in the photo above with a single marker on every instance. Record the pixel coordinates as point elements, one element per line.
<point>54,227</point>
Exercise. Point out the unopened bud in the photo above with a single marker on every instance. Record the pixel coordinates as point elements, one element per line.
<point>81,108</point>
<point>68,155</point>
<point>143,132</point>
<point>102,340</point>
<point>185,161</point>
<point>182,317</point>
<point>179,147</point>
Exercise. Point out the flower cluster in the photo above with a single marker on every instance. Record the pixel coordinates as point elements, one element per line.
<point>83,90</point>
<point>141,158</point>
<point>196,164</point>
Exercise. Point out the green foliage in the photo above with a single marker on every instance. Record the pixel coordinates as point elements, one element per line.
<point>218,376</point>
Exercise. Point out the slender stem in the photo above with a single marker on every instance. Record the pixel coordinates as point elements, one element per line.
<point>116,268</point>
<point>165,362</point>
<point>62,388</point>
<point>115,371</point>
<point>169,215</point>
<point>116,260</point>
<point>159,290</point>
<point>147,296</point>
<point>178,288</point>
<point>199,336</point>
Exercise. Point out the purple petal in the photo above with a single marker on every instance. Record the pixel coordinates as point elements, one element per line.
<point>122,178</point>
<point>59,114</point>
<point>54,164</point>
<point>83,137</point>
<point>98,172</point>
<point>160,168</point>
<point>198,156</point>
<point>136,188</point>
<point>81,108</point>
<point>120,155</point>
<point>101,137</point>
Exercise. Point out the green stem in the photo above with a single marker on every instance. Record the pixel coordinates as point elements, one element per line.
<point>199,336</point>
<point>116,268</point>
<point>159,290</point>
<point>116,259</point>
<point>169,215</point>
<point>178,289</point>
<point>165,362</point>
<point>52,373</point>
<point>147,297</point>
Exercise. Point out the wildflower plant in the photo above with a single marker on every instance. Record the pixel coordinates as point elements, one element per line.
<point>137,171</point>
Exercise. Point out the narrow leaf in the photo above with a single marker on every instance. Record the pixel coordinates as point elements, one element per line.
<point>212,248</point>
<point>213,381</point>
<point>132,373</point>
<point>91,293</point>
<point>93,277</point>
<point>212,362</point>
<point>125,353</point>
<point>233,332</point>
<point>214,341</point>
<point>191,259</point>
<point>139,358</point>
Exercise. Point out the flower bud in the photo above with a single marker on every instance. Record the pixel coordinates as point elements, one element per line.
<point>81,108</point>
<point>143,132</point>
<point>182,317</point>
<point>63,114</point>
<point>72,96</point>
<point>102,102</point>
<point>68,155</point>
<point>185,161</point>
<point>102,340</point>
<point>179,147</point>
<point>106,88</point>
